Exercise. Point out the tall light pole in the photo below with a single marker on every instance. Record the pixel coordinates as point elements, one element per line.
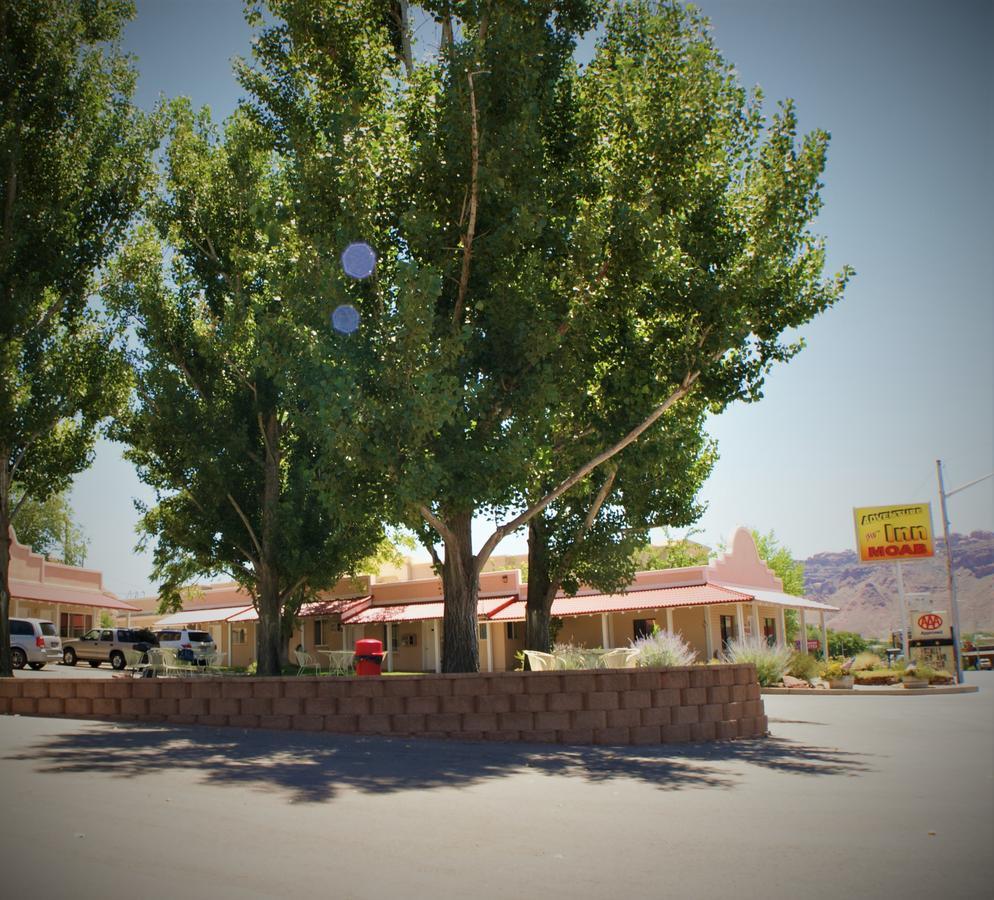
<point>954,606</point>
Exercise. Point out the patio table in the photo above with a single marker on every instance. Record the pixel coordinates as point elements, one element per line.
<point>339,661</point>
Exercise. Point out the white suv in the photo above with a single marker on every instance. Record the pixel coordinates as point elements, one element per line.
<point>34,642</point>
<point>200,643</point>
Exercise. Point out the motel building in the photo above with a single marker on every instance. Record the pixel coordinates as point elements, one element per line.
<point>734,596</point>
<point>70,596</point>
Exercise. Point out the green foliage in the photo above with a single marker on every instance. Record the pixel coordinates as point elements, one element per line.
<point>771,662</point>
<point>803,665</point>
<point>106,619</point>
<point>48,528</point>
<point>781,561</point>
<point>840,643</point>
<point>270,481</point>
<point>566,257</point>
<point>74,166</point>
<point>674,554</point>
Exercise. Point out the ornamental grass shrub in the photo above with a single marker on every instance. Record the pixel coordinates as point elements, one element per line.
<point>864,662</point>
<point>570,656</point>
<point>662,649</point>
<point>771,663</point>
<point>803,665</point>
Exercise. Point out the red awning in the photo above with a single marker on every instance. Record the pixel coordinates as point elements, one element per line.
<point>53,593</point>
<point>652,598</point>
<point>419,612</point>
<point>344,607</point>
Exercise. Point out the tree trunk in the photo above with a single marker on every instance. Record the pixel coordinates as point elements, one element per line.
<point>6,667</point>
<point>460,647</point>
<point>541,591</point>
<point>269,630</point>
<point>269,638</point>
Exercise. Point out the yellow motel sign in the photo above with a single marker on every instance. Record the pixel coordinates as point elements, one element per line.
<point>894,533</point>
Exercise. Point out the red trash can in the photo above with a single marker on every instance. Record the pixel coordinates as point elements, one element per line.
<point>368,656</point>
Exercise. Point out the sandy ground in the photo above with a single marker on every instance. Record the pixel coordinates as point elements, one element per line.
<point>866,797</point>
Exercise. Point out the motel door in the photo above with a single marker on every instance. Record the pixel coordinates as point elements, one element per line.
<point>428,644</point>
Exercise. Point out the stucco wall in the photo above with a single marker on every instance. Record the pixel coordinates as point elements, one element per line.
<point>635,706</point>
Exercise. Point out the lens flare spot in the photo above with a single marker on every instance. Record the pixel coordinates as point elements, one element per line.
<point>358,260</point>
<point>345,318</point>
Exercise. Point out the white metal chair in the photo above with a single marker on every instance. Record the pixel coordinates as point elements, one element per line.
<point>540,662</point>
<point>215,661</point>
<point>135,662</point>
<point>306,661</point>
<point>621,658</point>
<point>164,663</point>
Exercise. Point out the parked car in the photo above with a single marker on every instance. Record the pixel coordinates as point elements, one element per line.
<point>190,645</point>
<point>101,645</point>
<point>34,642</point>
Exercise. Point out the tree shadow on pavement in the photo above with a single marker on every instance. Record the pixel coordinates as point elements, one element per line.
<point>314,767</point>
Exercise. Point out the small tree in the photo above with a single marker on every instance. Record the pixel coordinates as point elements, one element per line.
<point>789,570</point>
<point>74,164</point>
<point>49,528</point>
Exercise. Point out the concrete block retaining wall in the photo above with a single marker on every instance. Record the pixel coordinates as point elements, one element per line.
<point>625,706</point>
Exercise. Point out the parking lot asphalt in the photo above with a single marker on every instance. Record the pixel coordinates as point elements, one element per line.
<point>59,670</point>
<point>849,797</point>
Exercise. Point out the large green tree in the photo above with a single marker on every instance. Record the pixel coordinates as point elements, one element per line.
<point>243,419</point>
<point>74,165</point>
<point>635,232</point>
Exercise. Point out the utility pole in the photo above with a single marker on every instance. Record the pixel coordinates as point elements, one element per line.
<point>954,606</point>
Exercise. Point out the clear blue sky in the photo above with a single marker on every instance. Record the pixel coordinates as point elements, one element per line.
<point>896,376</point>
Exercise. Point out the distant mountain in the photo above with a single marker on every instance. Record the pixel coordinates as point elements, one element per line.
<point>867,594</point>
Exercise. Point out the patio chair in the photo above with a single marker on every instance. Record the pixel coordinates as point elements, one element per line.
<point>164,663</point>
<point>215,661</point>
<point>135,662</point>
<point>306,661</point>
<point>621,658</point>
<point>540,662</point>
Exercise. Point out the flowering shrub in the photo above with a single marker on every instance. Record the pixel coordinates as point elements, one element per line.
<point>771,663</point>
<point>662,648</point>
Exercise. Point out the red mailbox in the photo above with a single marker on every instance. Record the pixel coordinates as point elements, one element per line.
<point>368,656</point>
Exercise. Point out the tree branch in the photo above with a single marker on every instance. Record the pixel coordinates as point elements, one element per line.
<point>509,527</point>
<point>567,558</point>
<point>443,530</point>
<point>474,193</point>
<point>249,528</point>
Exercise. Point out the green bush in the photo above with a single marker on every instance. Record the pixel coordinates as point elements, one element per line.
<point>803,665</point>
<point>771,662</point>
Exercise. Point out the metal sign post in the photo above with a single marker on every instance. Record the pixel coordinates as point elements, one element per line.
<point>950,579</point>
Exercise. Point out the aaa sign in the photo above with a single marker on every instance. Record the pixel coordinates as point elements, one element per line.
<point>893,533</point>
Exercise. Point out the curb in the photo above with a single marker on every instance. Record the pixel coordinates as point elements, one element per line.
<point>877,692</point>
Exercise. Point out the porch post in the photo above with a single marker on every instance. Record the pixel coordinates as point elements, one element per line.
<point>390,628</point>
<point>803,646</point>
<point>605,638</point>
<point>231,648</point>
<point>781,627</point>
<point>438,644</point>
<point>490,646</point>
<point>708,637</point>
<point>669,619</point>
<point>739,622</point>
<point>755,620</point>
<point>824,632</point>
